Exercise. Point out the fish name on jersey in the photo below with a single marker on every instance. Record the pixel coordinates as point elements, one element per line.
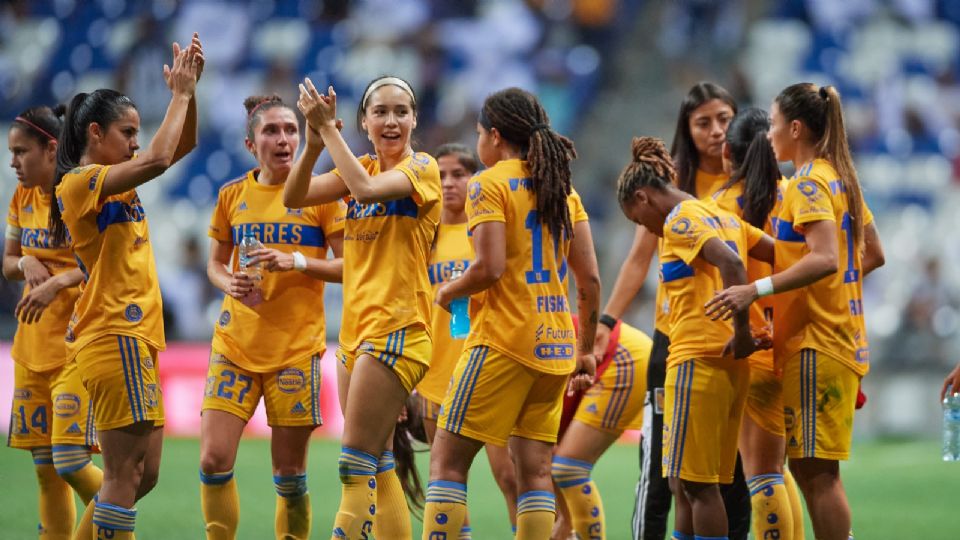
<point>280,233</point>
<point>552,303</point>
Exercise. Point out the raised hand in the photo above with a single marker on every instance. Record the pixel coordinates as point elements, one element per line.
<point>319,110</point>
<point>187,65</point>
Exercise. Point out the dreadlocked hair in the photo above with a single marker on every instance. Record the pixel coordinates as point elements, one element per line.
<point>820,109</point>
<point>651,166</point>
<point>405,435</point>
<point>520,119</point>
<point>256,106</point>
<point>754,163</point>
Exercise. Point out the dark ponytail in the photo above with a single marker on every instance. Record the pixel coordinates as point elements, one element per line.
<point>521,121</point>
<point>405,434</point>
<point>686,157</point>
<point>754,163</point>
<point>820,109</point>
<point>103,107</point>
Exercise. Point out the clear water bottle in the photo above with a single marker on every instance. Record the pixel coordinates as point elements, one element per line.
<point>248,244</point>
<point>459,312</point>
<point>951,426</point>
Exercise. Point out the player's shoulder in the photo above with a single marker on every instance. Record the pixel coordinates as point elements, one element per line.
<point>235,185</point>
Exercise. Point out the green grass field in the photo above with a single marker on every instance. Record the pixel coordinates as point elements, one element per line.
<point>898,490</point>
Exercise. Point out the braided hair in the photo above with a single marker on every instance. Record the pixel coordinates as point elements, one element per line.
<point>651,166</point>
<point>520,119</point>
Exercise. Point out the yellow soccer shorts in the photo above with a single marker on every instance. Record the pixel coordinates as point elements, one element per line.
<point>121,375</point>
<point>429,409</point>
<point>819,398</point>
<point>614,403</point>
<point>765,401</point>
<point>493,397</point>
<point>704,402</point>
<point>50,407</point>
<point>406,352</point>
<point>290,395</point>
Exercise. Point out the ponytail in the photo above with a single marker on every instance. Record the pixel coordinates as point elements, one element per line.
<point>521,120</point>
<point>650,166</point>
<point>407,431</point>
<point>821,111</point>
<point>834,146</point>
<point>103,107</point>
<point>754,163</point>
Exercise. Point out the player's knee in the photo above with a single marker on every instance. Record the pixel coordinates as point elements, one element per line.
<point>148,481</point>
<point>215,462</point>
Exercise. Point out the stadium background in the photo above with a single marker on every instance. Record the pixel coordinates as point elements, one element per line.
<point>606,70</point>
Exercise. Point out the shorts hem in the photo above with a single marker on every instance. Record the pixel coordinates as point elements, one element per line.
<point>27,445</point>
<point>204,408</point>
<point>703,479</point>
<point>477,436</point>
<point>542,437</point>
<point>281,423</point>
<point>596,425</point>
<point>830,456</point>
<point>117,424</point>
<point>756,419</point>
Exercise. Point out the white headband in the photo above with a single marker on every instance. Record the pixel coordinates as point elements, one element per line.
<point>400,83</point>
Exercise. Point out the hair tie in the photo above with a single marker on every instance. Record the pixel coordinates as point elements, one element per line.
<point>823,93</point>
<point>36,127</point>
<point>539,127</point>
<point>258,105</point>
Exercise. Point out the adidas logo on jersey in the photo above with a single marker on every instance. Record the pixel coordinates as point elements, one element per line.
<point>592,408</point>
<point>243,206</point>
<point>74,429</point>
<point>793,442</point>
<point>28,209</point>
<point>298,409</point>
<point>294,211</point>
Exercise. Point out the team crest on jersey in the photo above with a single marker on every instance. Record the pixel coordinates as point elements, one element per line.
<point>789,418</point>
<point>208,389</point>
<point>224,319</point>
<point>66,405</point>
<point>151,391</point>
<point>295,212</point>
<point>148,362</point>
<point>474,190</point>
<point>366,347</point>
<point>681,226</point>
<point>291,380</point>
<point>133,313</point>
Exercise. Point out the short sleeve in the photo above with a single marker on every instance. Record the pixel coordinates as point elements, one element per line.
<point>685,233</point>
<point>79,191</point>
<point>220,228</point>
<point>808,200</point>
<point>867,214</point>
<point>486,201</point>
<point>753,234</point>
<point>577,212</point>
<point>424,173</point>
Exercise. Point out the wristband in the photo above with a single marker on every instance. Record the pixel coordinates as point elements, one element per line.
<point>299,261</point>
<point>20,264</point>
<point>764,286</point>
<point>607,320</point>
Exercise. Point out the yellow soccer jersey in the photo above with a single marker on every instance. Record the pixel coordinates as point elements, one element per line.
<point>707,186</point>
<point>111,239</point>
<point>689,281</point>
<point>453,251</point>
<point>386,246</point>
<point>761,312</point>
<point>289,324</point>
<point>39,346</point>
<point>828,315</point>
<point>525,314</point>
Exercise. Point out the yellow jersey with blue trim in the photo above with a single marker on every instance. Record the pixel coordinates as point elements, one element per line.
<point>826,316</point>
<point>39,346</point>
<point>386,246</point>
<point>288,323</point>
<point>761,312</point>
<point>689,281</point>
<point>526,313</point>
<point>707,185</point>
<point>111,240</point>
<point>453,251</point>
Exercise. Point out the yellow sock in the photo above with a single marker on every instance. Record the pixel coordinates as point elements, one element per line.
<point>85,527</point>
<point>114,522</point>
<point>581,495</point>
<point>221,505</point>
<point>536,512</point>
<point>445,511</point>
<point>358,498</point>
<point>796,505</point>
<point>392,520</point>
<point>772,517</point>
<point>293,507</point>
<point>56,507</point>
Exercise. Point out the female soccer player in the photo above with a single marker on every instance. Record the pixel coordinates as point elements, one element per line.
<point>702,248</point>
<point>527,226</point>
<point>752,193</point>
<point>826,243</point>
<point>393,209</point>
<point>51,411</point>
<point>453,251</point>
<point>117,326</point>
<point>697,154</point>
<point>263,345</point>
<point>612,405</point>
